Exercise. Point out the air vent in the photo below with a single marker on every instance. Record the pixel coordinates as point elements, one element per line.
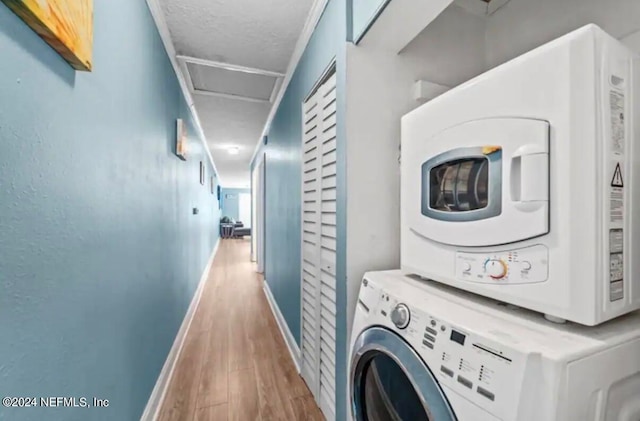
<point>230,81</point>
<point>481,7</point>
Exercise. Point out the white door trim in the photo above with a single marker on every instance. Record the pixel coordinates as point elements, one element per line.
<point>259,229</point>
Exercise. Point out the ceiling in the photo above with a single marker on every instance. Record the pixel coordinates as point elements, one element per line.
<point>234,54</point>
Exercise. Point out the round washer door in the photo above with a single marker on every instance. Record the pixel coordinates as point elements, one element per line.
<point>390,382</point>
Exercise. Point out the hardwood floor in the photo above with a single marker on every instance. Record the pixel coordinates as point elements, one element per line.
<point>235,364</point>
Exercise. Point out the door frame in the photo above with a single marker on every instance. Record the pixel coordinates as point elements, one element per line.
<point>254,214</point>
<point>258,208</point>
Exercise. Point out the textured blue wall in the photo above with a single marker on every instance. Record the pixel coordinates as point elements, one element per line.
<point>230,205</point>
<point>100,254</point>
<point>284,178</point>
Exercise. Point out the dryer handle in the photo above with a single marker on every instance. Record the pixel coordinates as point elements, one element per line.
<point>529,176</point>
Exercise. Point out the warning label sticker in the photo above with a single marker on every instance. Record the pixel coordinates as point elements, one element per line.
<point>617,121</point>
<point>616,291</point>
<point>616,283</point>
<point>616,205</point>
<point>616,241</point>
<point>616,196</point>
<point>617,181</point>
<point>616,267</point>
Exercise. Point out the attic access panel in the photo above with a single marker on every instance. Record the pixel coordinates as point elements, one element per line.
<point>238,83</point>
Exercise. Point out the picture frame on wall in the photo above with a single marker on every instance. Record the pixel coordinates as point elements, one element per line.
<point>181,139</point>
<point>66,25</point>
<point>202,173</point>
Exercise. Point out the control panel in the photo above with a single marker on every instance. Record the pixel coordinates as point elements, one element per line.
<point>479,369</point>
<point>517,266</point>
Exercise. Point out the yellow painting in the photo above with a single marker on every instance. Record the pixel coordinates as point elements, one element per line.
<point>66,25</point>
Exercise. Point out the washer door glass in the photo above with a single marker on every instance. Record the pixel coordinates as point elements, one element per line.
<point>390,382</point>
<point>388,393</point>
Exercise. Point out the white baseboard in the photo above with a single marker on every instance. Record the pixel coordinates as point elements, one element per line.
<point>151,411</point>
<point>294,349</point>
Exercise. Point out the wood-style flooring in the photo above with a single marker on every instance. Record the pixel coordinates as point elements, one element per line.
<point>235,364</point>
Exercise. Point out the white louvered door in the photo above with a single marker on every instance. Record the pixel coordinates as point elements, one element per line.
<point>310,240</point>
<point>319,245</point>
<point>327,385</point>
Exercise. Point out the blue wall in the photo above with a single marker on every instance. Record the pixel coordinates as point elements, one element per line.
<point>100,254</point>
<point>283,183</point>
<point>230,203</point>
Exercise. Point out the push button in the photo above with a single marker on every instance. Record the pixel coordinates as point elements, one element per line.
<point>486,393</point>
<point>427,344</point>
<point>465,382</point>
<point>446,371</point>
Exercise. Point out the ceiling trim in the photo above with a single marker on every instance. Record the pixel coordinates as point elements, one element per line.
<point>188,79</point>
<point>165,35</point>
<point>276,89</point>
<point>229,96</point>
<point>229,66</point>
<point>307,31</point>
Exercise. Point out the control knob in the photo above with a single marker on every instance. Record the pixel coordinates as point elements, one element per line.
<point>400,316</point>
<point>496,269</point>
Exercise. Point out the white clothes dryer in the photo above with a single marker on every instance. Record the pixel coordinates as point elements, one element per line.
<point>424,351</point>
<point>521,184</point>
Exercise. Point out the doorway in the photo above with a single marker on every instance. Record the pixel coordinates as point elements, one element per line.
<point>258,213</point>
<point>244,209</point>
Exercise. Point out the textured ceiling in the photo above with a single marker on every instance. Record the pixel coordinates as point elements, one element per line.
<point>229,122</point>
<point>253,33</point>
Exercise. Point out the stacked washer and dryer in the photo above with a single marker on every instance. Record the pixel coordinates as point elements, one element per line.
<point>518,290</point>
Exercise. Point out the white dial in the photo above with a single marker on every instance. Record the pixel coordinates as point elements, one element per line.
<point>495,268</point>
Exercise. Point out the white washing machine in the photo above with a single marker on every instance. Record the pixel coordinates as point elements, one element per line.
<point>424,351</point>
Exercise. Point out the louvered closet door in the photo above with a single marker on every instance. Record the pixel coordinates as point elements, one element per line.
<point>310,240</point>
<point>319,245</point>
<point>328,248</point>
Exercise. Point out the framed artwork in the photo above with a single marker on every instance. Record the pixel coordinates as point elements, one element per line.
<point>213,186</point>
<point>181,139</point>
<point>66,25</point>
<point>201,173</point>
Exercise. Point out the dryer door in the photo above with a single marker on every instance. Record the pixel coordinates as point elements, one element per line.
<point>390,382</point>
<point>480,183</point>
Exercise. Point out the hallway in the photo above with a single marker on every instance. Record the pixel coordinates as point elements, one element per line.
<point>235,364</point>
